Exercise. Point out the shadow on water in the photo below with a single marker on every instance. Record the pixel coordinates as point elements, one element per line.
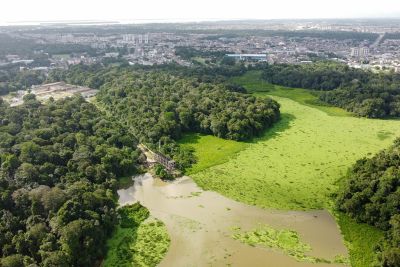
<point>190,138</point>
<point>278,127</point>
<point>284,123</point>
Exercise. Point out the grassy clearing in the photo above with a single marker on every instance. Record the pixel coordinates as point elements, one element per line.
<point>287,241</point>
<point>254,84</point>
<point>215,151</point>
<point>360,239</point>
<point>137,241</point>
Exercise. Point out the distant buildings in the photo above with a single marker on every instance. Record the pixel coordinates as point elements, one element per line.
<point>259,57</point>
<point>359,52</point>
<point>111,54</point>
<point>154,48</point>
<point>56,91</point>
<point>128,38</point>
<point>135,39</point>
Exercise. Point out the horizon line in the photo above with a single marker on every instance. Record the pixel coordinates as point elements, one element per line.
<point>177,20</point>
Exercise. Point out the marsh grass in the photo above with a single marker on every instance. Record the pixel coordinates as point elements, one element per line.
<point>137,240</point>
<point>151,245</point>
<point>361,240</point>
<point>216,151</point>
<point>296,164</point>
<point>255,85</point>
<point>287,241</point>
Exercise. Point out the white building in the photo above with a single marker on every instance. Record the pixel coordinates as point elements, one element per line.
<point>128,38</point>
<point>359,52</point>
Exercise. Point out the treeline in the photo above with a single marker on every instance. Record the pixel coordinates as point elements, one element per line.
<point>27,46</point>
<point>392,36</point>
<point>365,93</point>
<point>59,164</point>
<point>371,194</point>
<point>171,105</point>
<point>317,76</point>
<point>187,52</point>
<point>96,75</point>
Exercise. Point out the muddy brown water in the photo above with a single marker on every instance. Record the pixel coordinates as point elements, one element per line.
<point>200,226</point>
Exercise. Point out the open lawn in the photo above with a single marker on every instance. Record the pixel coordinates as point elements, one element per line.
<point>297,163</point>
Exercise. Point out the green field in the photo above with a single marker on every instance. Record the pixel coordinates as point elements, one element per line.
<point>216,152</point>
<point>254,84</point>
<point>297,163</point>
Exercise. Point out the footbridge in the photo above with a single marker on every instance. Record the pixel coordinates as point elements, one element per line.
<point>157,157</point>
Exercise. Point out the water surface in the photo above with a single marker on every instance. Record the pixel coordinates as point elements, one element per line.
<point>200,226</point>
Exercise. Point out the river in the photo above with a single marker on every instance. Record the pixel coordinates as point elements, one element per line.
<point>200,226</point>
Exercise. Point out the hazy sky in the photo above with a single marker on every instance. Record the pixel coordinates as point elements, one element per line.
<point>51,10</point>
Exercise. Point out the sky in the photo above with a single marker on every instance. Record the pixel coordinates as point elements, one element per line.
<point>192,10</point>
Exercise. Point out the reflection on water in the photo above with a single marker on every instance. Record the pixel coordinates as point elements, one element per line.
<point>200,225</point>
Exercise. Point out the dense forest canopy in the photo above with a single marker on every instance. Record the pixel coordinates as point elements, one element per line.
<point>319,76</point>
<point>371,194</point>
<point>59,164</point>
<point>187,52</point>
<point>96,75</point>
<point>392,36</point>
<point>365,93</point>
<point>171,105</point>
<point>162,103</point>
<point>12,79</point>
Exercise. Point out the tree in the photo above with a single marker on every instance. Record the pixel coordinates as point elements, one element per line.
<point>78,241</point>
<point>16,260</point>
<point>26,174</point>
<point>56,259</point>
